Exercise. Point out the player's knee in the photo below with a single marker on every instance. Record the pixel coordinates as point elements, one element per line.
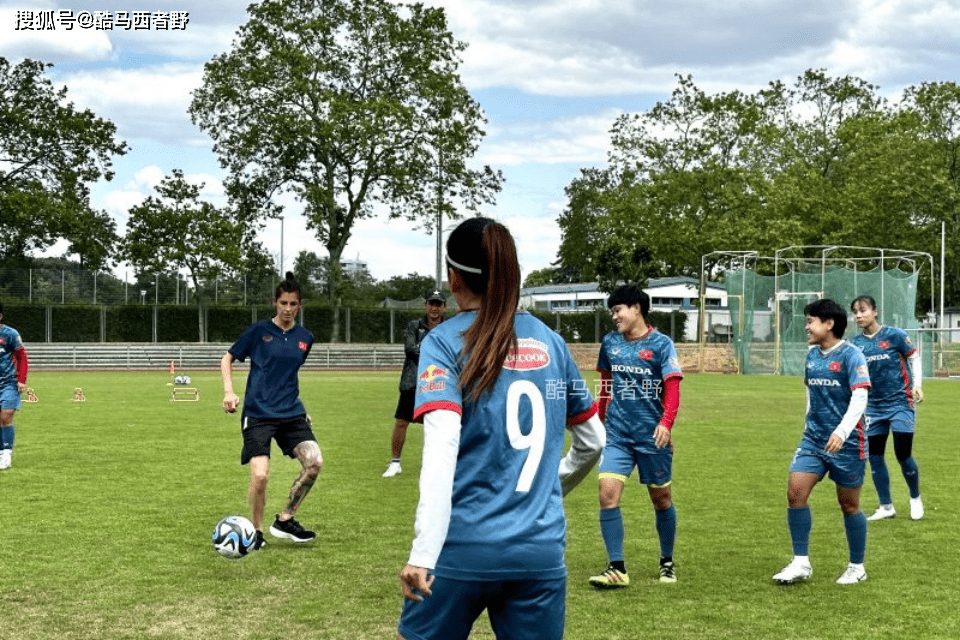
<point>400,425</point>
<point>313,468</point>
<point>609,499</point>
<point>796,498</point>
<point>849,507</point>
<point>259,478</point>
<point>661,503</point>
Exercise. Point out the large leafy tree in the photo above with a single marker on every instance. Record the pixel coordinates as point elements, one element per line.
<point>175,229</point>
<point>825,161</point>
<point>49,152</point>
<point>354,106</point>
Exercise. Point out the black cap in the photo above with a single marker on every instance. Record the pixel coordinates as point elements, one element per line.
<point>436,296</point>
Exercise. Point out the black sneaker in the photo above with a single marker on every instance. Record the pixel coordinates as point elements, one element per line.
<point>291,530</point>
<point>668,573</point>
<point>259,542</point>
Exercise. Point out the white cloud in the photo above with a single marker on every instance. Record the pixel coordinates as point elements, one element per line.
<point>577,139</point>
<point>145,104</point>
<point>76,45</point>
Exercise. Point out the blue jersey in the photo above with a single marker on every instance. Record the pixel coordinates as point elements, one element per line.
<point>9,342</point>
<point>507,520</point>
<point>273,389</point>
<point>637,369</point>
<point>831,379</point>
<point>886,354</point>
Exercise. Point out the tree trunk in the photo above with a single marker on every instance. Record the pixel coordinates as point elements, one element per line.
<point>335,275</point>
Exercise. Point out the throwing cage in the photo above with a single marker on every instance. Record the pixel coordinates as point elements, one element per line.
<point>767,295</point>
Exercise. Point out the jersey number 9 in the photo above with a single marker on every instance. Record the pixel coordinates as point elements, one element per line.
<point>532,441</point>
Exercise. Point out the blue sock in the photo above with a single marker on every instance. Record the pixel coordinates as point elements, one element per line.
<point>911,473</point>
<point>667,530</point>
<point>881,478</point>
<point>611,528</point>
<point>6,437</point>
<point>856,526</point>
<point>800,522</point>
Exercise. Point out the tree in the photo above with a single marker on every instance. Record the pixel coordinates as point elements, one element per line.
<point>49,152</point>
<point>175,230</point>
<point>310,270</point>
<point>540,277</point>
<point>354,106</point>
<point>408,287</point>
<point>701,173</point>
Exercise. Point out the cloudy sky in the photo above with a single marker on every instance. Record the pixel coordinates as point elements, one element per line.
<point>551,75</point>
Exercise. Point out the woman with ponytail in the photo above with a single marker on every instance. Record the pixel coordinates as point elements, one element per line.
<point>496,390</point>
<point>272,409</point>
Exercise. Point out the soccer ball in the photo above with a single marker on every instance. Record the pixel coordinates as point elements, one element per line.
<point>234,537</point>
<point>182,380</point>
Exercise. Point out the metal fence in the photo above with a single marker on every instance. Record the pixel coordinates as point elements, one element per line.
<point>81,286</point>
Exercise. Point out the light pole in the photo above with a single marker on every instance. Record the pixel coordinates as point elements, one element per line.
<point>440,219</point>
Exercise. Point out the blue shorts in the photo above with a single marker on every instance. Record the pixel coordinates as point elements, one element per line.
<point>518,609</point>
<point>902,421</point>
<point>9,397</point>
<point>845,468</point>
<point>655,469</point>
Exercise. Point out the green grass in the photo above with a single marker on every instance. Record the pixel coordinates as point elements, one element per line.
<point>106,515</point>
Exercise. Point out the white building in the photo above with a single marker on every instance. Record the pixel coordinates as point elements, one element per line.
<point>666,294</point>
<point>353,268</point>
<point>679,293</point>
<point>951,320</point>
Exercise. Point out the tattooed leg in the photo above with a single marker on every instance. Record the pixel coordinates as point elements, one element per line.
<point>308,453</point>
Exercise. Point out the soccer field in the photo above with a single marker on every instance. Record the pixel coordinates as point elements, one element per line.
<point>106,514</point>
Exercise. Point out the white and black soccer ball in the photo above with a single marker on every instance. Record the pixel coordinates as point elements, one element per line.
<point>234,537</point>
<point>182,380</point>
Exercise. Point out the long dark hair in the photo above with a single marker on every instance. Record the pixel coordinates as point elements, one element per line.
<point>483,254</point>
<point>288,285</point>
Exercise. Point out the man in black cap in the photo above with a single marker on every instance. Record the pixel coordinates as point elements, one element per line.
<point>416,331</point>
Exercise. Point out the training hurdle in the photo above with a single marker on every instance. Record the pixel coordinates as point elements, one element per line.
<point>31,395</point>
<point>78,395</point>
<point>184,394</point>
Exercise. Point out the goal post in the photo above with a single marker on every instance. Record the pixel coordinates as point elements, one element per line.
<point>766,295</point>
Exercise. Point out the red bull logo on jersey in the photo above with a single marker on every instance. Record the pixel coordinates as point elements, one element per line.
<point>530,354</point>
<point>433,378</point>
<point>645,354</point>
<point>884,344</point>
<point>835,366</point>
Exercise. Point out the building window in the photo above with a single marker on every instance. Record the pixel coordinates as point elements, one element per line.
<point>667,302</point>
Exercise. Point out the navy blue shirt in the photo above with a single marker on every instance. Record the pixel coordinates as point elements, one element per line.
<point>273,389</point>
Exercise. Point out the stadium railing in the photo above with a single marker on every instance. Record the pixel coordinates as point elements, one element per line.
<point>153,356</point>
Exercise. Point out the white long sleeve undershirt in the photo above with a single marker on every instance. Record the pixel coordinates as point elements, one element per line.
<point>858,404</point>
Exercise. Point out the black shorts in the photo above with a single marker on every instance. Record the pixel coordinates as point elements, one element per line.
<point>405,405</point>
<point>288,432</point>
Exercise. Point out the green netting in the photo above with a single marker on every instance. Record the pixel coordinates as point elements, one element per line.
<point>767,312</point>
